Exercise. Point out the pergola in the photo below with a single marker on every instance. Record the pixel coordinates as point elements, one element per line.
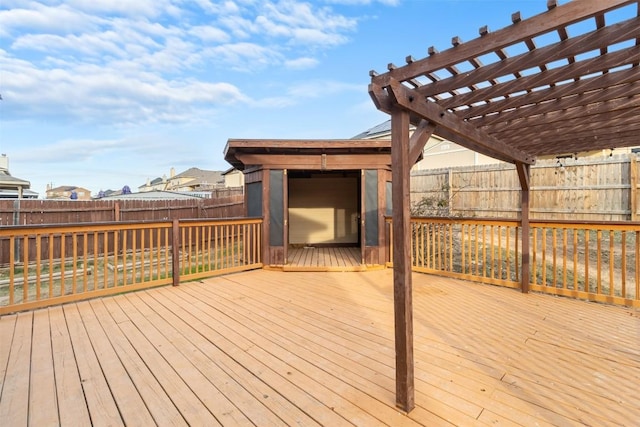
<point>562,82</point>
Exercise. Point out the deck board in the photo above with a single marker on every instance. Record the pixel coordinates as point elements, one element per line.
<point>14,400</point>
<point>212,324</point>
<point>301,348</point>
<point>43,409</point>
<point>102,407</point>
<point>160,406</point>
<point>129,402</point>
<point>311,359</point>
<point>257,389</point>
<point>318,259</point>
<point>237,399</point>
<point>68,382</point>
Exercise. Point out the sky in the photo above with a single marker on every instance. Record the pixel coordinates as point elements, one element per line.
<point>101,94</point>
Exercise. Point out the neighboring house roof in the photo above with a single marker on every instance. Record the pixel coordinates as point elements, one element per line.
<point>8,181</point>
<point>230,170</point>
<point>377,130</point>
<point>192,177</point>
<point>12,187</point>
<point>63,188</point>
<point>157,195</point>
<point>199,176</point>
<point>13,194</point>
<point>153,182</point>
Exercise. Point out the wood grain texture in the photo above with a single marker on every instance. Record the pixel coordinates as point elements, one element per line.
<point>298,348</point>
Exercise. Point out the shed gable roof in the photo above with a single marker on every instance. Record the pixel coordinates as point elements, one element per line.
<point>238,150</point>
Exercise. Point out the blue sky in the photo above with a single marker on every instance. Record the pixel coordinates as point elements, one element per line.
<point>106,93</point>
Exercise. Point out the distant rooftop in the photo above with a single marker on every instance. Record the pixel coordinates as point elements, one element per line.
<point>13,194</point>
<point>159,195</point>
<point>375,131</point>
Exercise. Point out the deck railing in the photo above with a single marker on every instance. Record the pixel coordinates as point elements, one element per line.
<point>57,264</point>
<point>593,261</point>
<point>219,247</point>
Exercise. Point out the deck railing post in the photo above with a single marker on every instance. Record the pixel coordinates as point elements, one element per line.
<point>175,252</point>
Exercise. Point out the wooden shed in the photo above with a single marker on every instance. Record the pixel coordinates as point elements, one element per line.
<point>317,193</point>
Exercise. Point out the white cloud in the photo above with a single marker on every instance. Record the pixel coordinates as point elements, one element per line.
<point>240,27</point>
<point>320,88</point>
<point>217,7</point>
<point>69,150</point>
<point>244,56</point>
<point>301,63</point>
<point>298,92</point>
<point>306,36</point>
<point>92,93</point>
<point>210,34</point>
<point>364,2</point>
<point>86,44</point>
<point>304,23</point>
<point>120,7</point>
<point>58,19</point>
<point>123,61</point>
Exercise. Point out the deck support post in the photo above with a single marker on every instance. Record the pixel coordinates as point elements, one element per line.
<point>175,251</point>
<point>524,174</point>
<point>402,289</point>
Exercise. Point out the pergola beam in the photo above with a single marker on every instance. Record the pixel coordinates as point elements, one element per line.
<point>625,120</point>
<point>419,138</point>
<point>569,118</point>
<point>583,100</point>
<point>551,20</point>
<point>544,55</point>
<point>402,96</point>
<point>558,92</point>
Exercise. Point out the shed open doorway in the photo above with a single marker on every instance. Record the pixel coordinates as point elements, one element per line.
<point>324,208</point>
<point>324,213</point>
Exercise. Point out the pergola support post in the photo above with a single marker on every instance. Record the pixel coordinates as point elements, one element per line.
<point>402,289</point>
<point>524,173</point>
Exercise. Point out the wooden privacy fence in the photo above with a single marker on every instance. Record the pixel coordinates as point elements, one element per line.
<point>592,261</point>
<point>225,204</point>
<point>56,264</point>
<point>589,189</point>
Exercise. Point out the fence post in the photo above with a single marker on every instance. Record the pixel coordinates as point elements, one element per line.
<point>16,221</point>
<point>450,192</point>
<point>175,251</point>
<point>633,178</point>
<point>116,211</point>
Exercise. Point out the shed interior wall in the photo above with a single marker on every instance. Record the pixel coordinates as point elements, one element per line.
<point>324,208</point>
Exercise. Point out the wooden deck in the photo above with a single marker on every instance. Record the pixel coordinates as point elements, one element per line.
<point>324,259</point>
<point>267,348</point>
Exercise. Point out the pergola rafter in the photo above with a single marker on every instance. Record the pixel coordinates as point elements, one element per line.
<point>548,92</point>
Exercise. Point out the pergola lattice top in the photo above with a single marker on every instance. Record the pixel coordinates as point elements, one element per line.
<point>564,81</point>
